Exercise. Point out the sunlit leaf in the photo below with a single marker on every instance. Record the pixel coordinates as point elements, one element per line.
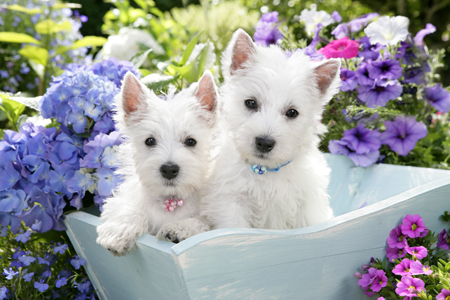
<point>17,7</point>
<point>157,82</point>
<point>49,26</point>
<point>66,5</point>
<point>189,49</point>
<point>139,58</point>
<point>28,101</point>
<point>93,41</point>
<point>36,54</point>
<point>13,37</point>
<point>38,68</point>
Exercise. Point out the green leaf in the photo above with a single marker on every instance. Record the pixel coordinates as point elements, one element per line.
<point>156,12</point>
<point>13,37</point>
<point>193,70</point>
<point>139,58</point>
<point>49,26</point>
<point>90,40</point>
<point>36,54</point>
<point>145,72</point>
<point>189,49</point>
<point>28,101</point>
<point>17,7</point>
<point>67,5</point>
<point>11,108</point>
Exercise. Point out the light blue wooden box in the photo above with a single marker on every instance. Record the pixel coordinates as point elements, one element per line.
<point>316,262</point>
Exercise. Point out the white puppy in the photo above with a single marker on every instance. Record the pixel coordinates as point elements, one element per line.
<point>164,163</point>
<point>269,171</point>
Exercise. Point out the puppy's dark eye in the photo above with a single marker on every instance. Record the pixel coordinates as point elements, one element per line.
<point>292,113</point>
<point>251,104</point>
<point>150,142</point>
<point>190,142</point>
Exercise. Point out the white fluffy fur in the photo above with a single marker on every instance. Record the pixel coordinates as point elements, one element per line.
<point>296,195</point>
<point>137,206</point>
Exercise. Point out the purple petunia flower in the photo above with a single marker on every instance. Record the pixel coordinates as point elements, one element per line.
<point>336,16</point>
<point>396,238</point>
<point>348,80</point>
<point>403,268</point>
<point>414,75</point>
<point>443,295</point>
<point>343,29</point>
<point>444,240</point>
<point>369,51</point>
<point>417,252</point>
<point>418,39</point>
<point>438,97</point>
<point>359,144</point>
<point>410,286</point>
<point>402,134</point>
<point>385,69</point>
<point>380,93</point>
<point>310,50</point>
<point>395,253</point>
<point>267,32</point>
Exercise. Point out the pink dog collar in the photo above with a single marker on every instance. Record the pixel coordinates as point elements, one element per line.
<point>171,204</point>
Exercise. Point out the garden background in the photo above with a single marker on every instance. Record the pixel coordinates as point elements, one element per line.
<point>61,64</point>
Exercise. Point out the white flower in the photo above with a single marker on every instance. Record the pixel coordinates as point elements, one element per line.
<point>125,45</point>
<point>38,120</point>
<point>387,30</point>
<point>313,17</point>
<point>210,59</point>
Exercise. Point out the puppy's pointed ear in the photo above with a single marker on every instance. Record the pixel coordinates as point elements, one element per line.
<point>206,92</point>
<point>133,94</point>
<point>327,73</point>
<point>242,49</point>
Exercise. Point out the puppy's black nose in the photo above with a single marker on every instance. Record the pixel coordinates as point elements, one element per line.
<point>264,144</point>
<point>169,171</point>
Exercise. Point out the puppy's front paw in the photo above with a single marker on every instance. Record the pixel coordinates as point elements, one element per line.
<point>119,243</point>
<point>172,233</point>
<point>180,230</point>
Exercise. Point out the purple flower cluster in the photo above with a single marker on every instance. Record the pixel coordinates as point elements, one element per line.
<point>43,267</point>
<point>410,270</point>
<point>42,169</point>
<point>267,32</point>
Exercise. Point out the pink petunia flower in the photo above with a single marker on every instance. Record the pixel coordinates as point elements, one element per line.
<point>418,269</point>
<point>410,286</point>
<point>395,253</point>
<point>396,238</point>
<point>403,268</point>
<point>342,48</point>
<point>417,252</point>
<point>412,226</point>
<point>444,240</point>
<point>443,295</point>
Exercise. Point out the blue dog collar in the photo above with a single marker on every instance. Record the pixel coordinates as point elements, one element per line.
<point>258,169</point>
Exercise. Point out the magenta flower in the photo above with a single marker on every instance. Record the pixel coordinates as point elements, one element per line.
<point>417,268</point>
<point>374,279</point>
<point>403,268</point>
<point>438,97</point>
<point>395,253</point>
<point>410,286</point>
<point>444,240</point>
<point>396,238</point>
<point>401,136</point>
<point>417,252</point>
<point>443,295</point>
<point>380,93</point>
<point>342,48</point>
<point>412,226</point>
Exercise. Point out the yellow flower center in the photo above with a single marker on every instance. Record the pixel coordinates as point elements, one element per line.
<point>447,298</point>
<point>400,238</point>
<point>414,227</point>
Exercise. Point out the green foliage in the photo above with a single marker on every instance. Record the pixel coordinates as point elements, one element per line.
<point>12,110</point>
<point>14,37</point>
